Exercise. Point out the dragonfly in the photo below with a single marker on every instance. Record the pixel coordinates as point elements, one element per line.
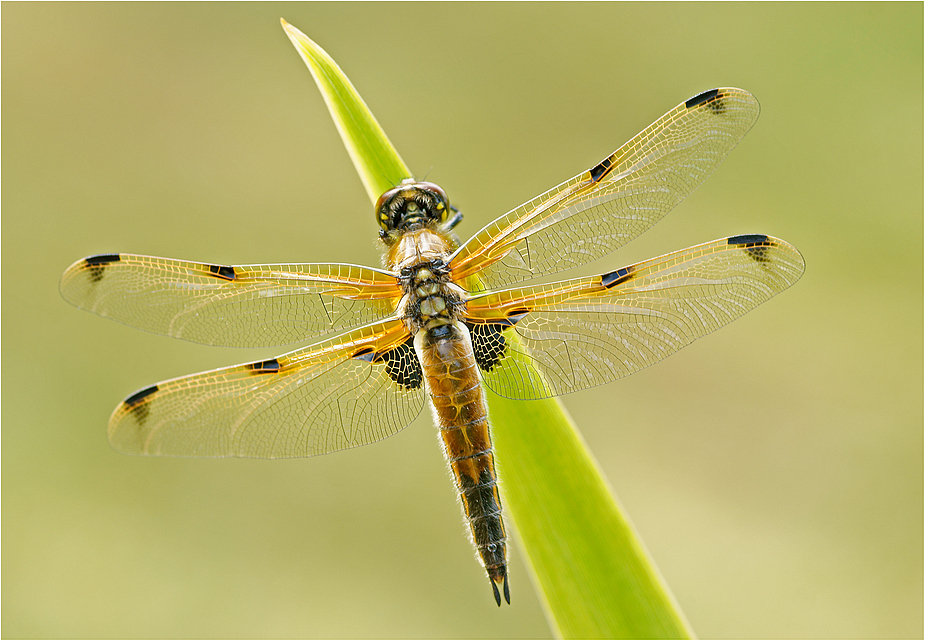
<point>444,320</point>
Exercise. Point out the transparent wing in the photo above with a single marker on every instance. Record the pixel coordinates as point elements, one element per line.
<point>537,342</point>
<point>355,389</point>
<point>610,204</point>
<point>240,306</point>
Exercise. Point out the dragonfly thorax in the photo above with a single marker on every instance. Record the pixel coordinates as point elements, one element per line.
<point>430,298</point>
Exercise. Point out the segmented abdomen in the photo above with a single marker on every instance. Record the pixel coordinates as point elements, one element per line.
<point>460,413</point>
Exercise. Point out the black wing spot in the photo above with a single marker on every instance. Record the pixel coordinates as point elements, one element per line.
<point>747,239</point>
<point>402,365</point>
<point>601,169</point>
<point>488,343</point>
<point>139,409</point>
<point>701,98</point>
<point>757,245</point>
<point>96,265</point>
<point>102,259</point>
<point>514,316</point>
<point>616,278</point>
<point>365,354</point>
<point>140,395</point>
<point>271,366</point>
<point>222,271</point>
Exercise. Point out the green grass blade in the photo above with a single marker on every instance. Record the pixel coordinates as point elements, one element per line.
<point>592,572</point>
<point>379,165</point>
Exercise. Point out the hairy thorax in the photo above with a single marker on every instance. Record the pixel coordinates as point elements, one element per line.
<point>430,299</point>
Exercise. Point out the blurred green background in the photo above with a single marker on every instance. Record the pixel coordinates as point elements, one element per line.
<point>774,469</point>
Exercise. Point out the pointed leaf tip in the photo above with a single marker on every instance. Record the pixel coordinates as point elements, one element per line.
<point>375,159</point>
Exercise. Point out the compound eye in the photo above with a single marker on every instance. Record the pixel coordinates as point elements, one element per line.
<point>443,203</point>
<point>383,216</point>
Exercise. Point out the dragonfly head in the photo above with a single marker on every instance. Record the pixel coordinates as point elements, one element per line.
<point>411,205</point>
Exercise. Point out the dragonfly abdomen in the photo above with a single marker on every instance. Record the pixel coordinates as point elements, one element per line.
<point>460,413</point>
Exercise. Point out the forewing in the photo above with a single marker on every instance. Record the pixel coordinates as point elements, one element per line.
<point>352,390</point>
<point>234,306</point>
<point>613,202</point>
<point>537,342</point>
